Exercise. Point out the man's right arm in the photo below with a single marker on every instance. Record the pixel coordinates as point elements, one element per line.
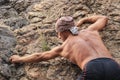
<point>37,57</point>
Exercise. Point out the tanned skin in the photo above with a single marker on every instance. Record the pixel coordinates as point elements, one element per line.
<point>79,49</point>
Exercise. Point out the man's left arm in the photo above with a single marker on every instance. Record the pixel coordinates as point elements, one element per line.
<point>37,57</point>
<point>98,21</point>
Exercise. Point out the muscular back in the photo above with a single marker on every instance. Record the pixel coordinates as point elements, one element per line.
<point>87,45</point>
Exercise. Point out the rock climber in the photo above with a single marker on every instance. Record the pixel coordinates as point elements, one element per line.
<point>82,47</point>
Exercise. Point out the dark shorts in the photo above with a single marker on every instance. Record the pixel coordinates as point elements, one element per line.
<point>101,69</point>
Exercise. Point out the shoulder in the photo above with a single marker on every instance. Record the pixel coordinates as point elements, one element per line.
<point>57,49</point>
<point>88,32</point>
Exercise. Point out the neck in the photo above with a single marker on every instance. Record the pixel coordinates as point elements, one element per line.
<point>66,34</point>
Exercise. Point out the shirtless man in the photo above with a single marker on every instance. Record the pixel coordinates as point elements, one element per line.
<point>84,48</point>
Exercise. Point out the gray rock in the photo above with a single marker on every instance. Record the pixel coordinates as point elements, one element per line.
<point>5,71</point>
<point>16,23</point>
<point>21,5</point>
<point>7,39</point>
<point>2,2</point>
<point>6,13</point>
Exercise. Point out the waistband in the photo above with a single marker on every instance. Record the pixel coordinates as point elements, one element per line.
<point>100,59</point>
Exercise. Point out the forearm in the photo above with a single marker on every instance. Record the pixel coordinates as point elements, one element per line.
<point>91,19</point>
<point>36,57</point>
<point>80,22</point>
<point>95,18</point>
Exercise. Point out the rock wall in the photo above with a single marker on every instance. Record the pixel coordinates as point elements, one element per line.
<point>27,26</point>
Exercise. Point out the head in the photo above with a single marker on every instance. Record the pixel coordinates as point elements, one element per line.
<point>65,26</point>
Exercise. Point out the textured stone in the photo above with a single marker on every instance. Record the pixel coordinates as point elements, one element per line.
<point>118,35</point>
<point>7,12</point>
<point>7,39</point>
<point>2,2</point>
<point>79,14</point>
<point>35,20</point>
<point>16,23</point>
<point>33,23</point>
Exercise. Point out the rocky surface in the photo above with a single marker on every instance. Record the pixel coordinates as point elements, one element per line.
<point>27,26</point>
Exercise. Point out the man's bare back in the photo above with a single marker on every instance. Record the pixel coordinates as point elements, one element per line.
<point>84,47</point>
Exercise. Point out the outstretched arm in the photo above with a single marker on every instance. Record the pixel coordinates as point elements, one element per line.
<point>98,21</point>
<point>37,57</point>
